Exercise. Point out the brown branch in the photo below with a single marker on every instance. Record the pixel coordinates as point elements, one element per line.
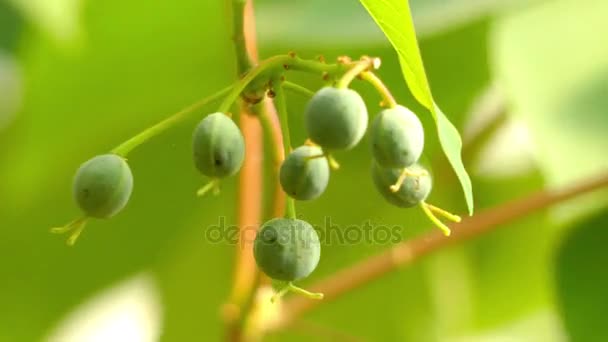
<point>252,119</point>
<point>405,253</point>
<point>250,180</point>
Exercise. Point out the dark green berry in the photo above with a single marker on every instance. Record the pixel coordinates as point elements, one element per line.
<point>336,119</point>
<point>103,185</point>
<point>413,190</point>
<point>305,173</point>
<point>287,249</point>
<point>397,138</point>
<point>218,145</point>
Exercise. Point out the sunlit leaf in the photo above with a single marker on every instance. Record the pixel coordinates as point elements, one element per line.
<point>395,20</point>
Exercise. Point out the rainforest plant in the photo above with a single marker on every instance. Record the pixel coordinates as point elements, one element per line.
<point>336,118</point>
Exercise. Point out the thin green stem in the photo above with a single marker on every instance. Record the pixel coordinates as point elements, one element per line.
<point>290,210</point>
<point>275,65</point>
<point>281,105</point>
<point>358,68</point>
<point>298,89</point>
<point>127,146</point>
<point>243,59</point>
<point>375,81</point>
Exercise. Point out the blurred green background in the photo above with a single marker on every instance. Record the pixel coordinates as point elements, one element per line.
<point>78,77</point>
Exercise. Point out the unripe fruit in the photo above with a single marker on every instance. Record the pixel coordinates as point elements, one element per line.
<point>305,173</point>
<point>413,190</point>
<point>336,119</point>
<point>397,138</point>
<point>102,185</point>
<point>287,249</point>
<point>218,145</point>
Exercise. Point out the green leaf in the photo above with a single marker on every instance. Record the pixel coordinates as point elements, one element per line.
<point>582,280</point>
<point>395,20</point>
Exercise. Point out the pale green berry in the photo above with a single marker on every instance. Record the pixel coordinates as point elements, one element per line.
<point>287,249</point>
<point>336,119</point>
<point>218,146</point>
<point>304,174</point>
<point>397,138</point>
<point>102,185</point>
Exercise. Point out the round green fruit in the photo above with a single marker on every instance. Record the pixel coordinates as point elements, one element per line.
<point>397,138</point>
<point>413,190</point>
<point>102,185</point>
<point>218,146</point>
<point>287,249</point>
<point>336,119</point>
<point>304,175</point>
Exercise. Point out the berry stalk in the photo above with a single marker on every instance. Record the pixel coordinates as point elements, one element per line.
<point>298,89</point>
<point>281,105</point>
<point>276,65</point>
<point>376,82</point>
<point>127,146</point>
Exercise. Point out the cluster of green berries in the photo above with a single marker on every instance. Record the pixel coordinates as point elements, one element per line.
<point>336,119</point>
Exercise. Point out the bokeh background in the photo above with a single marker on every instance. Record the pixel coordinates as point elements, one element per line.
<point>78,77</point>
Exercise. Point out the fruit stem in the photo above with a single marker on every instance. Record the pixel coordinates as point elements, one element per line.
<point>291,208</point>
<point>298,89</point>
<point>290,287</point>
<point>272,66</point>
<point>127,146</point>
<point>75,227</point>
<point>281,105</point>
<point>445,229</point>
<point>374,80</point>
<point>275,65</point>
<point>362,65</point>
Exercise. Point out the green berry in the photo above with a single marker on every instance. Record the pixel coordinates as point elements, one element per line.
<point>397,138</point>
<point>103,185</point>
<point>336,119</point>
<point>304,175</point>
<point>218,145</point>
<point>413,190</point>
<point>287,249</point>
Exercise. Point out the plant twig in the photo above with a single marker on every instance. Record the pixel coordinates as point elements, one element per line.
<point>374,80</point>
<point>298,89</point>
<point>147,134</point>
<point>406,253</point>
<point>250,180</point>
